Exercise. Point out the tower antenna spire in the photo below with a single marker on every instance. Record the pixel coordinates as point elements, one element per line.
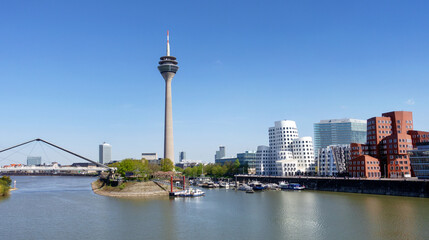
<point>168,43</point>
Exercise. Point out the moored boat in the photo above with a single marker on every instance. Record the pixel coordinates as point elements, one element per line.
<point>292,186</point>
<point>244,187</point>
<point>208,185</point>
<point>188,193</point>
<point>257,186</point>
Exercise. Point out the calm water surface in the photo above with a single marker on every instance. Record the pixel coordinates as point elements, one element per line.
<point>66,208</point>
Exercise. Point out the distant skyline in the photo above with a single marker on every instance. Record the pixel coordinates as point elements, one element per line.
<point>82,73</point>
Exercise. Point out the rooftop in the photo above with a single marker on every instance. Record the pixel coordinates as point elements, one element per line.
<point>344,120</point>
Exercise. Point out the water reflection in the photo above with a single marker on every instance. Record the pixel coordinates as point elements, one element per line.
<point>73,211</point>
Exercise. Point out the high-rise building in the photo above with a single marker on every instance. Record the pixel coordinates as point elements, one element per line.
<point>287,154</point>
<point>389,138</point>
<point>168,68</point>
<point>34,161</point>
<point>220,153</point>
<point>338,132</point>
<point>332,160</point>
<point>104,153</point>
<point>182,156</point>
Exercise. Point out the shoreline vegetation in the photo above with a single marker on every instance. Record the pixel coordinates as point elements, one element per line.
<point>5,182</point>
<point>133,179</point>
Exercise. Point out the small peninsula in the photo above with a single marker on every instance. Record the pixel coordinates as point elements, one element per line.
<point>133,179</point>
<point>130,190</point>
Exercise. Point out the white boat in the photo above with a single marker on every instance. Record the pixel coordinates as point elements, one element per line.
<point>209,184</point>
<point>283,185</point>
<point>224,185</point>
<point>245,187</point>
<point>292,186</point>
<point>272,186</point>
<point>189,193</point>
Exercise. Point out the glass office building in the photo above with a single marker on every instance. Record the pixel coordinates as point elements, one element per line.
<point>419,159</point>
<point>34,161</point>
<point>247,158</point>
<point>338,132</point>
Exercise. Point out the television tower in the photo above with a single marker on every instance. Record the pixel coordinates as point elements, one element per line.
<point>168,68</point>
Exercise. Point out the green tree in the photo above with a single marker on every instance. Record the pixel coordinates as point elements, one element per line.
<point>167,165</point>
<point>236,164</point>
<point>154,167</point>
<point>236,167</point>
<point>137,167</point>
<point>5,182</point>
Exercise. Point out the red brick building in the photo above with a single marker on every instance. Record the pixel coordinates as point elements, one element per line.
<point>388,141</point>
<point>365,166</point>
<point>418,137</point>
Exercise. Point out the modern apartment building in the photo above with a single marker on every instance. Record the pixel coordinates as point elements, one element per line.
<point>332,160</point>
<point>339,132</point>
<point>287,154</point>
<point>365,166</point>
<point>418,137</point>
<point>389,138</point>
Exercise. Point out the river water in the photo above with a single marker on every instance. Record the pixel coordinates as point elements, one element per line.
<point>66,208</point>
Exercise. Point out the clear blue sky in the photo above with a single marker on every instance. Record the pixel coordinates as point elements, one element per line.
<point>79,73</point>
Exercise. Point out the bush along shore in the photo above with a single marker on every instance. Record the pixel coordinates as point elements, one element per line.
<point>133,179</point>
<point>5,182</point>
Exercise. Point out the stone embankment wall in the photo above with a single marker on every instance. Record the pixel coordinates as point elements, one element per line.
<point>409,188</point>
<point>49,174</point>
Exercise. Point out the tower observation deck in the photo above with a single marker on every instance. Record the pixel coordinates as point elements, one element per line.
<point>168,68</point>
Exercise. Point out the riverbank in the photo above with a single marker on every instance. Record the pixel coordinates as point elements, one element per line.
<point>130,190</point>
<point>393,187</point>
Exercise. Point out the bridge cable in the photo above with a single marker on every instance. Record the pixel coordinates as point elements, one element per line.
<point>75,154</point>
<point>43,149</point>
<point>16,151</point>
<point>62,155</point>
<point>34,145</point>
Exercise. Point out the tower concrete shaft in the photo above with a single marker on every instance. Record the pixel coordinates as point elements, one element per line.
<point>168,122</point>
<point>168,68</point>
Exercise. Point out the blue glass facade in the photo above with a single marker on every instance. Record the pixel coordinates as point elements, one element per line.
<point>339,131</point>
<point>419,159</point>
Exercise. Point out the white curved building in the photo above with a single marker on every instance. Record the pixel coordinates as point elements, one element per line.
<point>262,156</point>
<point>303,153</point>
<point>287,154</point>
